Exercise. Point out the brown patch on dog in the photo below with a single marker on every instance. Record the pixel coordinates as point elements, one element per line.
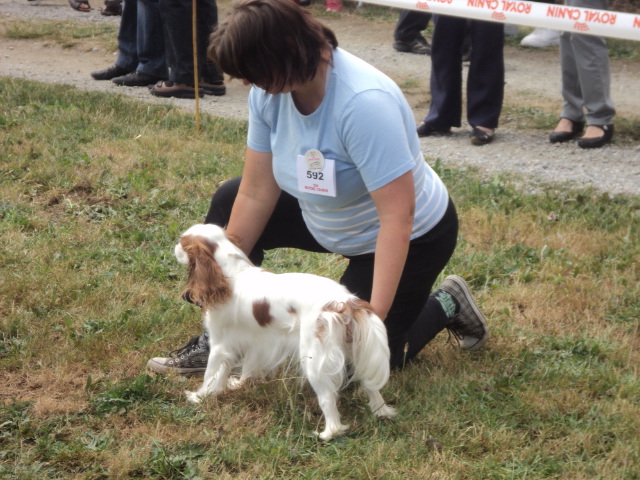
<point>353,310</point>
<point>292,310</point>
<point>207,286</point>
<point>261,312</point>
<point>321,330</point>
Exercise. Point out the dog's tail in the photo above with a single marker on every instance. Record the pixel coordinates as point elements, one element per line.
<point>364,339</point>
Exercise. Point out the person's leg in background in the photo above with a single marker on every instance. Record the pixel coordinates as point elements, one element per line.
<point>407,34</point>
<point>592,62</point>
<point>586,86</point>
<point>127,59</point>
<point>177,20</point>
<point>152,64</point>
<point>485,82</point>
<point>445,109</point>
<point>211,77</point>
<point>151,49</point>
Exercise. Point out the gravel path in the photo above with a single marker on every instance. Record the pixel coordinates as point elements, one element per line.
<point>532,80</point>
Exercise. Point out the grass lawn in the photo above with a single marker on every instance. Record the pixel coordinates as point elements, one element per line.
<point>94,192</point>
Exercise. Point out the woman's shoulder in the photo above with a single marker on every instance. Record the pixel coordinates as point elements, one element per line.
<point>357,75</point>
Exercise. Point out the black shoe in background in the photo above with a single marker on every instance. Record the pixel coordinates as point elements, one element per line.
<point>597,142</point>
<point>418,45</point>
<point>136,79</point>
<point>110,73</point>
<point>425,130</point>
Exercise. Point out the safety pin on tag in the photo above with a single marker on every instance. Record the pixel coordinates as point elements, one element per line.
<point>315,160</point>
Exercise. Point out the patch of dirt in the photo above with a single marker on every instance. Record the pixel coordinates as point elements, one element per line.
<point>532,80</point>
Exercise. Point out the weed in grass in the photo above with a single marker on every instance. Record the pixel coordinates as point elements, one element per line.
<point>166,464</point>
<point>127,394</point>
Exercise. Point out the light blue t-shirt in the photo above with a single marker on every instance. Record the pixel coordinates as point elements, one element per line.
<point>365,124</point>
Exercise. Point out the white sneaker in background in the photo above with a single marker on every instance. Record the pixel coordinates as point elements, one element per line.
<point>541,38</point>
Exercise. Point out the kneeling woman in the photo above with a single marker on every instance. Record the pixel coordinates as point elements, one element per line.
<point>333,164</point>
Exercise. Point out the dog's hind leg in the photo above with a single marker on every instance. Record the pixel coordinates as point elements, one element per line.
<point>326,380</point>
<point>378,406</point>
<point>328,404</point>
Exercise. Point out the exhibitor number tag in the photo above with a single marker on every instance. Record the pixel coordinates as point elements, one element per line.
<point>316,174</point>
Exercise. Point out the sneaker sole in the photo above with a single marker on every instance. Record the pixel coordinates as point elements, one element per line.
<point>463,286</point>
<point>162,369</point>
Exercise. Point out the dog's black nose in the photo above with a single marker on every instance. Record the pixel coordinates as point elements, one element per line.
<point>186,296</point>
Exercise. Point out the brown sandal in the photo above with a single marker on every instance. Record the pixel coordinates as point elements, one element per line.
<point>168,89</point>
<point>80,5</point>
<point>112,8</point>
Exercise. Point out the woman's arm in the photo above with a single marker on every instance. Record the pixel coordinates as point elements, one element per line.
<point>395,203</point>
<point>256,200</point>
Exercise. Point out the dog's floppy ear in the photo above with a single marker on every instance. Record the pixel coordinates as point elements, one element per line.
<point>207,286</point>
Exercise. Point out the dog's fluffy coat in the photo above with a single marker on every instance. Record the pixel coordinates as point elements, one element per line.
<point>257,320</point>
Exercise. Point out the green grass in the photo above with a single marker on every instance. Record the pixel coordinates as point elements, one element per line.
<point>94,192</point>
<point>65,33</point>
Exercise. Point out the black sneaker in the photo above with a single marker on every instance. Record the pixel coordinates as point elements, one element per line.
<point>418,45</point>
<point>469,327</point>
<point>188,360</point>
<point>136,79</point>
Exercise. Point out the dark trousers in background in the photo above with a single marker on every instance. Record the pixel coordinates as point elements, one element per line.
<point>178,21</point>
<point>410,25</point>
<point>141,38</point>
<point>485,82</point>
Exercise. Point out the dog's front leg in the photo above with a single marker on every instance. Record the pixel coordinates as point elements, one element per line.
<point>215,377</point>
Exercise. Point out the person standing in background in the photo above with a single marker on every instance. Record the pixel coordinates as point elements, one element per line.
<point>141,58</point>
<point>586,86</point>
<point>177,18</point>
<point>407,35</point>
<point>485,82</point>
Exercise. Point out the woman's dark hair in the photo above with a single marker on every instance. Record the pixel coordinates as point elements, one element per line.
<point>270,43</point>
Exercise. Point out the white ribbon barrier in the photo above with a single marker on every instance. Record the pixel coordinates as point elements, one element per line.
<point>603,23</point>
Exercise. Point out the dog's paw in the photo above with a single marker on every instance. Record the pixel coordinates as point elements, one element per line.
<point>386,412</point>
<point>192,397</point>
<point>234,383</point>
<point>331,433</point>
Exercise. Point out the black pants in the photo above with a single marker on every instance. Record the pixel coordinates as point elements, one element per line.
<point>485,82</point>
<point>177,21</point>
<point>415,317</point>
<point>410,25</point>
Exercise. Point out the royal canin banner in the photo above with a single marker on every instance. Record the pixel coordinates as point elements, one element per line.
<point>603,23</point>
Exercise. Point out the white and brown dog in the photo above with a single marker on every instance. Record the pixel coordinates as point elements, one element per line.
<point>257,320</point>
